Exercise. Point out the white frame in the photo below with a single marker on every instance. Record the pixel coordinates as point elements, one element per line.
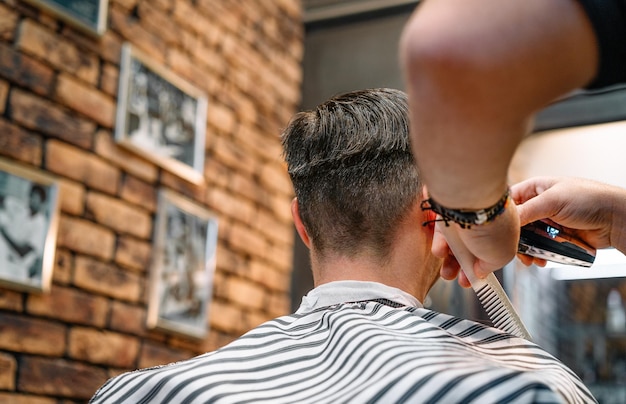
<point>192,170</point>
<point>172,273</point>
<point>96,27</point>
<point>22,281</point>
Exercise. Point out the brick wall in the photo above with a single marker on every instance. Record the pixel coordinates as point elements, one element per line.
<point>58,89</point>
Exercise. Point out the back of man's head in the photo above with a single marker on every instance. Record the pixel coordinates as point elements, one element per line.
<point>352,170</point>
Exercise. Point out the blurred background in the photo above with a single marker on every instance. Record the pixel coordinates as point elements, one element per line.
<point>256,63</point>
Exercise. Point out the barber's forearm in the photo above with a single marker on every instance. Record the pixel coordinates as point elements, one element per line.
<point>476,71</point>
<point>618,220</point>
<point>468,171</point>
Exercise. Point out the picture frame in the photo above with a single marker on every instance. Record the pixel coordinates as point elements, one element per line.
<point>183,266</point>
<point>160,116</point>
<point>29,221</point>
<point>89,16</point>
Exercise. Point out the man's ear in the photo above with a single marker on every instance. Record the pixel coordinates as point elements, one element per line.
<point>428,215</point>
<point>297,221</point>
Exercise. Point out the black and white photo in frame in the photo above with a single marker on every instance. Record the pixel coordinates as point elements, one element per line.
<point>28,227</point>
<point>160,116</point>
<point>87,15</point>
<point>181,278</point>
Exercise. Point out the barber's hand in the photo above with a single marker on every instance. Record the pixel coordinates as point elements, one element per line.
<point>588,207</point>
<point>492,245</point>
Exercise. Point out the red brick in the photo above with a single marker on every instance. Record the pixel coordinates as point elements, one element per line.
<point>107,280</point>
<point>4,91</point>
<point>186,15</point>
<point>268,276</point>
<point>76,36</point>
<point>231,262</point>
<point>128,318</point>
<point>25,70</point>
<point>19,398</point>
<point>133,253</point>
<point>20,144</point>
<point>274,177</point>
<point>63,264</point>
<point>139,192</point>
<point>48,20</point>
<point>244,239</point>
<point>232,156</point>
<point>69,305</point>
<point>36,113</point>
<point>102,347</point>
<point>280,257</point>
<point>279,304</point>
<point>221,117</point>
<point>85,237</point>
<point>159,23</point>
<point>246,186</point>
<point>8,367</point>
<point>110,47</point>
<point>211,35</point>
<point>230,205</point>
<point>127,4</point>
<point>276,230</point>
<point>59,377</point>
<point>245,293</point>
<point>182,65</point>
<point>109,79</point>
<point>190,190</point>
<point>11,300</point>
<point>219,284</point>
<point>86,99</point>
<point>246,110</point>
<point>119,215</point>
<point>72,197</point>
<point>281,206</point>
<point>153,355</point>
<point>55,50</point>
<point>225,317</point>
<point>81,166</point>
<point>262,143</point>
<point>8,23</point>
<point>216,67</point>
<point>128,27</point>
<point>216,173</point>
<point>107,149</point>
<point>254,319</point>
<point>23,334</point>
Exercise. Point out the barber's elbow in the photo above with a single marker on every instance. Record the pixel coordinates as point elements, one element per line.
<point>435,56</point>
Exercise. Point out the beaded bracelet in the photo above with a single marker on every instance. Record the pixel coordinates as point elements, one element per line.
<point>466,218</point>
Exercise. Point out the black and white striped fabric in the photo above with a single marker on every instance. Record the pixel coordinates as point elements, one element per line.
<point>367,350</point>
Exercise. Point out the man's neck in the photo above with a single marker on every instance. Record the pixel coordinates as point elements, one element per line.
<point>403,271</point>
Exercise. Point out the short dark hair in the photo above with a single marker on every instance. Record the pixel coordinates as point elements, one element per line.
<point>352,169</point>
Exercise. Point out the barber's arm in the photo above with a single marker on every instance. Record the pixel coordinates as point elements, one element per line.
<point>476,71</point>
<point>596,211</point>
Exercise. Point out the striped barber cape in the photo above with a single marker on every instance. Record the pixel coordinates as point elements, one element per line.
<point>379,347</point>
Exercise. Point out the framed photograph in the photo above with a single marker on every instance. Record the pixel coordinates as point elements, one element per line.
<point>87,15</point>
<point>29,220</point>
<point>181,277</point>
<point>160,116</point>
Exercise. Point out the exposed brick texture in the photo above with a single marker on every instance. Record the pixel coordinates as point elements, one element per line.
<point>36,113</point>
<point>32,335</point>
<point>70,305</point>
<point>59,377</point>
<point>58,100</point>
<point>103,347</point>
<point>20,144</point>
<point>8,367</point>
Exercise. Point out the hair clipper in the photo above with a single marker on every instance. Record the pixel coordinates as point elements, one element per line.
<point>553,242</point>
